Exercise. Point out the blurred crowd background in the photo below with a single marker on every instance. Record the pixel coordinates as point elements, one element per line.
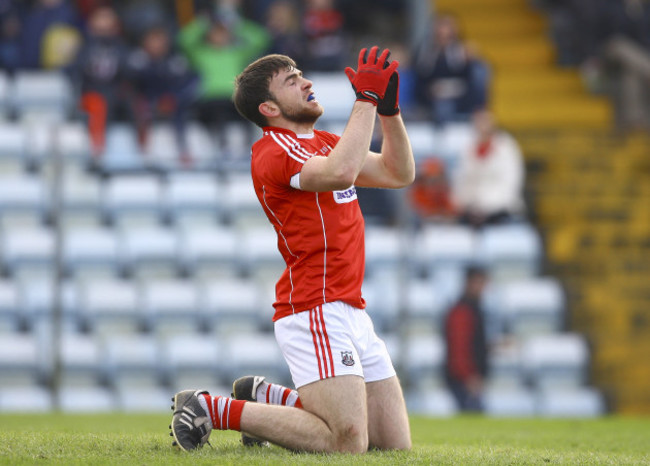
<point>512,278</point>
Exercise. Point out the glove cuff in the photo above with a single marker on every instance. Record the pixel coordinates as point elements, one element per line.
<point>393,112</point>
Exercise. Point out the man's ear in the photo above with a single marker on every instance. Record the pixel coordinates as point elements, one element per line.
<point>269,108</point>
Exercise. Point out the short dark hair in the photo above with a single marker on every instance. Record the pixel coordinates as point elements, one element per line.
<point>252,85</point>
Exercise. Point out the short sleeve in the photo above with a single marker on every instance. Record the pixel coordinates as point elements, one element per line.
<point>272,164</point>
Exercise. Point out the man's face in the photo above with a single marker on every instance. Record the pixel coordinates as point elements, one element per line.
<point>293,95</point>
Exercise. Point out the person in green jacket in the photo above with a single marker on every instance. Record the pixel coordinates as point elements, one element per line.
<point>218,49</point>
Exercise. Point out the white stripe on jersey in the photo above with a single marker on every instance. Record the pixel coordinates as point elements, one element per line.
<point>286,243</point>
<point>325,246</point>
<point>296,145</point>
<point>293,150</point>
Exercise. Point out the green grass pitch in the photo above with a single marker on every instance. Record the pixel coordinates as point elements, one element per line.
<point>143,440</point>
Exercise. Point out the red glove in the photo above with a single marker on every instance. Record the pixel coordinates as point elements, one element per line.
<point>371,78</point>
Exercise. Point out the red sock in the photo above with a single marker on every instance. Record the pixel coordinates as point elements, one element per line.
<point>225,412</point>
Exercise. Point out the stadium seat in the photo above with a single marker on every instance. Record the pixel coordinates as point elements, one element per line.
<point>424,139</point>
<point>37,300</point>
<point>191,199</point>
<point>67,140</point>
<point>86,400</point>
<point>80,360</point>
<point>151,400</point>
<point>384,248</point>
<point>557,360</point>
<point>335,94</point>
<point>577,402</point>
<point>149,250</point>
<point>94,250</point>
<point>230,305</point>
<point>434,402</point>
<point>81,194</point>
<point>509,402</point>
<point>202,147</point>
<point>132,361</point>
<point>132,198</point>
<point>110,306</point>
<point>122,152</point>
<point>170,306</point>
<point>259,249</point>
<point>21,360</point>
<point>510,251</point>
<point>26,399</point>
<point>529,306</point>
<point>383,301</point>
<point>426,306</point>
<point>41,95</point>
<point>243,208</point>
<point>254,353</point>
<point>29,250</point>
<point>208,251</point>
<point>424,361</point>
<point>445,246</point>
<point>9,305</point>
<point>192,361</point>
<point>505,366</point>
<point>24,194</point>
<point>13,148</point>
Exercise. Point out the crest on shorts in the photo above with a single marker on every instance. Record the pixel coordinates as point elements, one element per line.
<point>346,358</point>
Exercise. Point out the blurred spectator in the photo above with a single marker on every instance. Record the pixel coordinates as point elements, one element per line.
<point>322,26</point>
<point>40,17</point>
<point>466,366</point>
<point>451,80</point>
<point>10,41</point>
<point>60,46</point>
<point>489,182</point>
<point>98,72</point>
<point>283,25</point>
<point>218,50</point>
<point>141,15</point>
<point>163,85</point>
<point>430,194</point>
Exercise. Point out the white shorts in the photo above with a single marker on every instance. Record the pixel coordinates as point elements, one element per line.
<point>332,339</point>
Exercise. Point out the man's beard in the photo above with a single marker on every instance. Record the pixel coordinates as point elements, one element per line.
<point>302,115</point>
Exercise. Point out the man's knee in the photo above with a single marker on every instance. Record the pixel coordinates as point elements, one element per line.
<point>351,438</point>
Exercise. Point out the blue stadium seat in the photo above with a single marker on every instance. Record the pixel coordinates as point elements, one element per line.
<point>81,360</point>
<point>91,250</point>
<point>208,251</point>
<point>110,306</point>
<point>577,402</point>
<point>192,360</point>
<point>87,400</point>
<point>433,402</point>
<point>26,399</point>
<point>149,250</point>
<point>230,305</point>
<point>132,197</point>
<point>41,95</point>
<point>509,402</point>
<point>556,360</point>
<point>132,361</point>
<point>510,251</point>
<point>170,306</point>
<point>191,199</point>
<point>28,250</point>
<point>9,307</point>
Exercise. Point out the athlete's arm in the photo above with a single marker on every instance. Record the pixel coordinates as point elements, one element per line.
<point>342,166</point>
<point>395,166</point>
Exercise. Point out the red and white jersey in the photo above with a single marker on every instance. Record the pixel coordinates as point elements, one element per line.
<point>320,235</point>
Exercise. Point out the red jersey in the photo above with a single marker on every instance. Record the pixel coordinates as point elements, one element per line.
<point>320,235</point>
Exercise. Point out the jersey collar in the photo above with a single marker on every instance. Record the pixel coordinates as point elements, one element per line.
<point>276,129</point>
